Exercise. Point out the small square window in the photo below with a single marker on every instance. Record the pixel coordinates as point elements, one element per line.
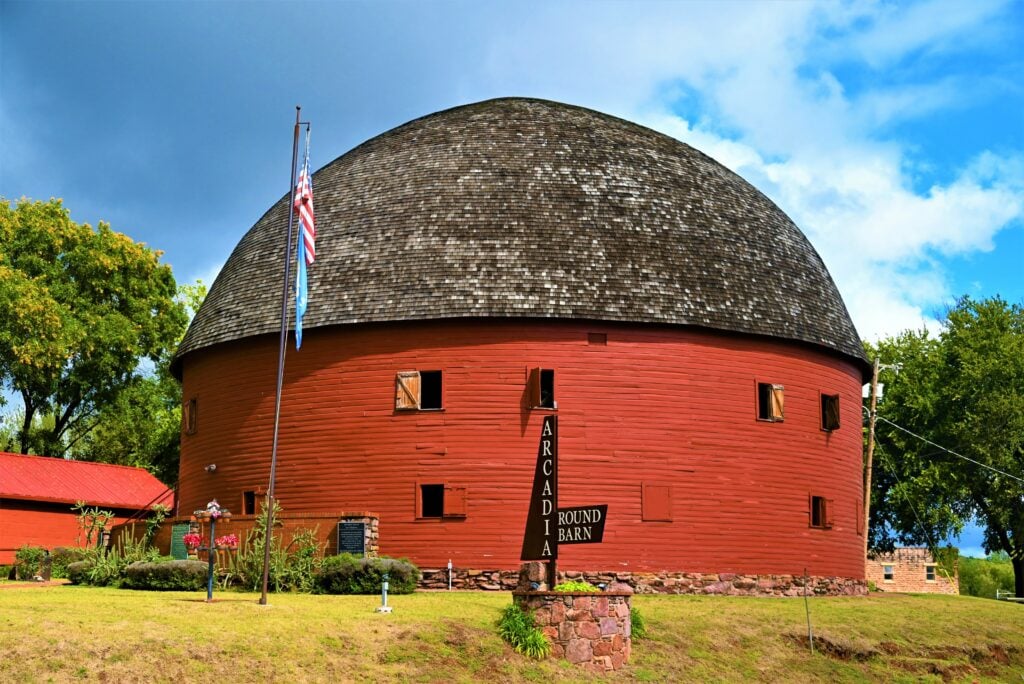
<point>656,503</point>
<point>249,502</point>
<point>929,573</point>
<point>820,513</point>
<point>541,387</point>
<point>441,501</point>
<point>769,402</point>
<point>190,417</point>
<point>418,390</point>
<point>431,500</point>
<point>829,412</point>
<point>888,573</point>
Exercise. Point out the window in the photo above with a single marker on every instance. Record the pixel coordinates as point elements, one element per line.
<point>829,412</point>
<point>887,573</point>
<point>249,503</point>
<point>440,501</point>
<point>820,512</point>
<point>656,503</point>
<point>190,416</point>
<point>929,573</point>
<point>418,391</point>
<point>769,401</point>
<point>541,387</point>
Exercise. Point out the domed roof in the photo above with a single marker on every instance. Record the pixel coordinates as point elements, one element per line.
<point>533,209</point>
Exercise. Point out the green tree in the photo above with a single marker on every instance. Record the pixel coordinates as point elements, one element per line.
<point>79,309</point>
<point>142,427</point>
<point>962,390</point>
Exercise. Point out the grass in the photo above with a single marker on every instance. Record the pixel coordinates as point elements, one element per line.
<point>66,633</point>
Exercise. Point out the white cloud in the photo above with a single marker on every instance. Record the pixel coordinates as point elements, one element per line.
<point>755,84</point>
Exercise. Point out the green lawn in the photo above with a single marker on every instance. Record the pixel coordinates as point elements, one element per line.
<point>66,633</point>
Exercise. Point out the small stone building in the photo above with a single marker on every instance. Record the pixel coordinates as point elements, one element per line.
<point>910,570</point>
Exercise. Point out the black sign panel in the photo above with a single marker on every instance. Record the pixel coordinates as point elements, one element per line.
<point>541,539</point>
<point>352,538</point>
<point>582,524</point>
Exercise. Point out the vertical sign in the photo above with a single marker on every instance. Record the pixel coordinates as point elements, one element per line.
<point>541,539</point>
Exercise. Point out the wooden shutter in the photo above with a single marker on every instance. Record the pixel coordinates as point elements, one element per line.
<point>533,387</point>
<point>656,503</point>
<point>407,390</point>
<point>454,502</point>
<point>827,514</point>
<point>830,412</point>
<point>191,417</point>
<point>810,510</point>
<point>776,402</point>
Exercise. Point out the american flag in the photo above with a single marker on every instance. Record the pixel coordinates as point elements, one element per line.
<point>303,205</point>
<point>304,208</point>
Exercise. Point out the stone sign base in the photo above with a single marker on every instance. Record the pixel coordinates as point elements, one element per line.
<point>589,629</point>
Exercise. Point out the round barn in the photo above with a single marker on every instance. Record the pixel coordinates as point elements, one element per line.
<point>486,266</point>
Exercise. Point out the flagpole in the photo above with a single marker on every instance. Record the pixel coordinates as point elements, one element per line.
<point>280,363</point>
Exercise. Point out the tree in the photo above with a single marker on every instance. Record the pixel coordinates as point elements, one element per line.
<point>79,309</point>
<point>142,427</point>
<point>962,391</point>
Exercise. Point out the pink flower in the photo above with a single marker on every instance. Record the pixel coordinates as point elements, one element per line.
<point>192,540</point>
<point>228,540</point>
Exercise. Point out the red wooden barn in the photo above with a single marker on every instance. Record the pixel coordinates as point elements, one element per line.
<point>487,265</point>
<point>37,493</point>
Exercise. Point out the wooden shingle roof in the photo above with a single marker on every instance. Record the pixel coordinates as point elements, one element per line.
<point>529,208</point>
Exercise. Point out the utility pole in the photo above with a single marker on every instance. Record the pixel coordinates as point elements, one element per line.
<point>872,415</point>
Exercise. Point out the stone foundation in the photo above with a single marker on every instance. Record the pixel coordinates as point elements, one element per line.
<point>725,584</point>
<point>590,630</point>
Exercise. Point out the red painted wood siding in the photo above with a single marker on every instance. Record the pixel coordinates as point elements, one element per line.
<point>39,523</point>
<point>652,406</point>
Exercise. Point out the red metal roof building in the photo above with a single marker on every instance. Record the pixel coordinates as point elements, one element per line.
<point>37,493</point>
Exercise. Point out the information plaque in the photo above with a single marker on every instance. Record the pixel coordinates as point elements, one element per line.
<point>352,538</point>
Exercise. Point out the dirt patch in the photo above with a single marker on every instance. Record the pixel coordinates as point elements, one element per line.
<point>834,647</point>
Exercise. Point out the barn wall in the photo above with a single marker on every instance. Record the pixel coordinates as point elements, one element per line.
<point>653,406</point>
<point>39,523</point>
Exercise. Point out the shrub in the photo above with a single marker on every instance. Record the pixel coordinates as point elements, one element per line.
<point>350,574</point>
<point>576,587</point>
<point>28,561</point>
<point>79,572</point>
<point>6,572</point>
<point>983,576</point>
<point>61,557</point>
<point>637,624</point>
<point>175,575</point>
<point>520,631</point>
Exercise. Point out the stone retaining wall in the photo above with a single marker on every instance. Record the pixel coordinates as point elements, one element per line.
<point>590,630</point>
<point>726,584</point>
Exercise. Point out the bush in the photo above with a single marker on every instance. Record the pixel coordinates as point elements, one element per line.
<point>61,557</point>
<point>637,624</point>
<point>520,631</point>
<point>79,572</point>
<point>576,587</point>
<point>349,574</point>
<point>6,572</point>
<point>983,576</point>
<point>175,575</point>
<point>28,561</point>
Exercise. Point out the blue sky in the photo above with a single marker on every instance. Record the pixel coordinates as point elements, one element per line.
<point>892,133</point>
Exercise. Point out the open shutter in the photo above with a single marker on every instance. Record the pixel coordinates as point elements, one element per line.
<point>454,502</point>
<point>407,390</point>
<point>830,505</point>
<point>810,510</point>
<point>533,387</point>
<point>777,402</point>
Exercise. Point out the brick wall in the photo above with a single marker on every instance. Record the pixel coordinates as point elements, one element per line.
<point>909,572</point>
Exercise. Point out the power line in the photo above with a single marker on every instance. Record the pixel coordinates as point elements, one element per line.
<point>949,451</point>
